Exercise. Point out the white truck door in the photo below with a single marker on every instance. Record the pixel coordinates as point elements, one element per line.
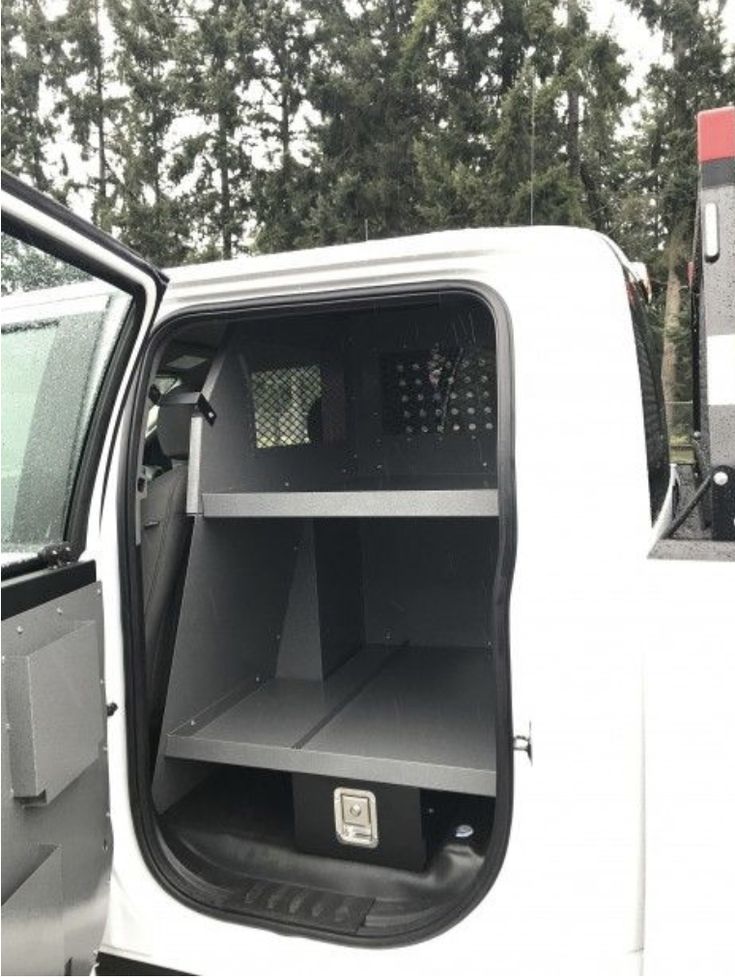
<point>75,307</point>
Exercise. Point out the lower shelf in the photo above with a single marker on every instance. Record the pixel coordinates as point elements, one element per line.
<point>407,716</point>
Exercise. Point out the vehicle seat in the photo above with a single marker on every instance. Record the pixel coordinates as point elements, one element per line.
<point>165,537</point>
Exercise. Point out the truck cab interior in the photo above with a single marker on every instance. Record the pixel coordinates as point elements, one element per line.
<point>323,525</point>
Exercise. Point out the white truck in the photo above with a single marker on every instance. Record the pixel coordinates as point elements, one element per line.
<point>352,592</point>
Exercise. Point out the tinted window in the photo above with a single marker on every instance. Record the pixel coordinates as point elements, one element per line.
<point>648,351</point>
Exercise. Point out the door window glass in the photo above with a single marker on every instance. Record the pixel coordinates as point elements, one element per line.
<point>58,327</point>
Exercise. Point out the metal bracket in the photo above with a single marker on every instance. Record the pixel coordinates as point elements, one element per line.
<point>205,409</point>
<point>56,555</point>
<point>524,742</point>
<point>723,503</point>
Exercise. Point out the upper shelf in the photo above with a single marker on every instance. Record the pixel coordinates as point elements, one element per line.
<point>361,503</point>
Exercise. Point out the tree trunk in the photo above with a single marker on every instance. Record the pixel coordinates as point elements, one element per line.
<point>573,156</point>
<point>224,180</point>
<point>102,217</point>
<point>671,321</point>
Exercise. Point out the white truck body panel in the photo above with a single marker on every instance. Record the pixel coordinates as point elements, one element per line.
<point>622,829</point>
<point>570,894</point>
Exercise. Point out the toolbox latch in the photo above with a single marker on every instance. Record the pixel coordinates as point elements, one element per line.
<point>356,817</point>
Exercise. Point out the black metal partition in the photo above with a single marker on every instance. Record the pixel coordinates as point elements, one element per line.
<point>336,615</point>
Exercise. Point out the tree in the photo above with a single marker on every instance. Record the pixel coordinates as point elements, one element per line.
<point>370,111</point>
<point>30,48</point>
<point>215,72</point>
<point>90,104</point>
<point>455,50</point>
<point>282,188</point>
<point>151,217</point>
<point>698,75</point>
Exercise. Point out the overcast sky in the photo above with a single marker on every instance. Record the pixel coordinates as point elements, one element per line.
<point>641,48</point>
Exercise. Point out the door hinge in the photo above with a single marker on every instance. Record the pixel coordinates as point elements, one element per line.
<point>524,742</point>
<point>56,555</point>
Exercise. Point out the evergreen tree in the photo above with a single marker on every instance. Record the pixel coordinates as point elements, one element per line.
<point>370,113</point>
<point>454,49</point>
<point>150,216</point>
<point>30,48</point>
<point>282,189</point>
<point>214,73</point>
<point>90,103</point>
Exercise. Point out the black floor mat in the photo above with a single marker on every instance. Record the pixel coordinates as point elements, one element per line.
<point>235,832</point>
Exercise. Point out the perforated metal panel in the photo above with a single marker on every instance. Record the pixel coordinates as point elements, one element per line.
<point>442,390</point>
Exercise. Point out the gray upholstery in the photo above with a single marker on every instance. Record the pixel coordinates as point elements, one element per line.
<point>166,531</point>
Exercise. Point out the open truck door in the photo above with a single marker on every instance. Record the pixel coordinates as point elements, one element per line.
<point>67,356</point>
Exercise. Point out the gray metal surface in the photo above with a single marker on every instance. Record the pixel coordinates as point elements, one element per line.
<point>359,503</point>
<point>429,713</point>
<point>718,300</point>
<point>75,822</point>
<point>358,447</point>
<point>694,550</point>
<point>53,700</point>
<point>323,623</point>
<point>300,648</point>
<point>418,717</point>
<point>33,932</point>
<point>234,600</point>
<point>429,582</point>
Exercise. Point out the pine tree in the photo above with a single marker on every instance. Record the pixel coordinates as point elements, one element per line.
<point>150,216</point>
<point>282,188</point>
<point>215,73</point>
<point>454,49</point>
<point>90,103</point>
<point>30,48</point>
<point>370,113</point>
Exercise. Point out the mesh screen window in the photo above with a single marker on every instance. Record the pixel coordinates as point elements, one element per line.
<point>442,391</point>
<point>287,406</point>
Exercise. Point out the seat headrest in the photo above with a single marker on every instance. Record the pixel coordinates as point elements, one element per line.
<point>174,421</point>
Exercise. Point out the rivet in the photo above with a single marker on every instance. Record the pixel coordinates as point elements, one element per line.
<point>19,630</point>
<point>192,723</point>
<point>721,478</point>
<point>59,611</point>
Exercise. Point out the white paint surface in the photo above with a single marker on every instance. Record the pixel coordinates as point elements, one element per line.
<point>591,618</point>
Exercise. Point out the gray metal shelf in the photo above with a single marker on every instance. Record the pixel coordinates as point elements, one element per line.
<point>360,503</point>
<point>419,717</point>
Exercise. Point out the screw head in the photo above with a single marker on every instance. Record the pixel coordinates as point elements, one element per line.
<point>721,478</point>
<point>355,809</point>
<point>464,831</point>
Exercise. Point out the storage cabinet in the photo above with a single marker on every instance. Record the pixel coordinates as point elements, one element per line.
<point>336,619</point>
